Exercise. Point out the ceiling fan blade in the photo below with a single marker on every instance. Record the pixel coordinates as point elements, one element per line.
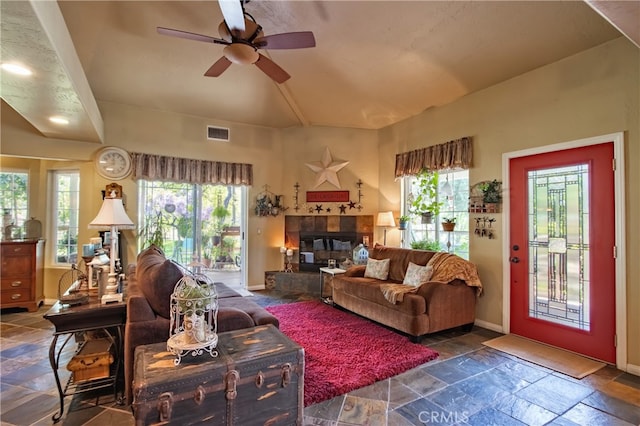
<point>295,40</point>
<point>190,36</point>
<point>218,67</point>
<point>272,69</point>
<point>233,14</point>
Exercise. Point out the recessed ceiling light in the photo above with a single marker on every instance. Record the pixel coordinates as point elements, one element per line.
<point>16,69</point>
<point>58,120</point>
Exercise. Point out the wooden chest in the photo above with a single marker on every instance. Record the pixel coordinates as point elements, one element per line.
<point>93,361</point>
<point>256,379</point>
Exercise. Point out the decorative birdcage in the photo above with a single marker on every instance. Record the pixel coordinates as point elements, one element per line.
<point>194,313</point>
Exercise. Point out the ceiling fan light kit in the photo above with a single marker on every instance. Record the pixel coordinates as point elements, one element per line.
<point>242,37</point>
<point>240,53</point>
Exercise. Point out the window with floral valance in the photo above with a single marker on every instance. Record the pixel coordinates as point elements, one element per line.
<point>184,170</point>
<point>455,154</point>
<point>450,162</point>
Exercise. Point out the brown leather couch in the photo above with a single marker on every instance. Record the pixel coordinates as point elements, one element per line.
<point>433,307</point>
<point>150,284</point>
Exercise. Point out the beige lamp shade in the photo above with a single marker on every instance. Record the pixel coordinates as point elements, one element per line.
<point>112,214</point>
<point>386,219</point>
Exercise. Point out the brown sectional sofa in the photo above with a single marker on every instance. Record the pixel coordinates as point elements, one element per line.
<point>150,284</point>
<point>433,307</point>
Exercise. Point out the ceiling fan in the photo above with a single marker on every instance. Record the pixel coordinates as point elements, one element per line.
<point>242,37</point>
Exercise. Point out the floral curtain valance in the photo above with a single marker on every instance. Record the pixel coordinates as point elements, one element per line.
<point>456,154</point>
<point>184,170</point>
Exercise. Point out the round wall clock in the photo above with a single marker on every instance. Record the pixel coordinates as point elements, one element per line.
<point>113,163</point>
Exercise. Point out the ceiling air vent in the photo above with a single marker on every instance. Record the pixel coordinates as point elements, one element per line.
<point>217,133</point>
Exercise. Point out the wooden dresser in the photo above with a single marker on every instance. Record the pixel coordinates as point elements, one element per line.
<point>22,273</point>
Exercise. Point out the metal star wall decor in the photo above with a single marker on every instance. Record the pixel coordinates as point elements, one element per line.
<point>327,169</point>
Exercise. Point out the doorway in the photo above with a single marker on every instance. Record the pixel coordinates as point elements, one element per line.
<point>197,224</point>
<point>564,230</point>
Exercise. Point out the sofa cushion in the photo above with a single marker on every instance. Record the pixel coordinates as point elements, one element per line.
<point>157,277</point>
<point>368,292</point>
<point>378,269</point>
<point>417,275</point>
<point>400,258</point>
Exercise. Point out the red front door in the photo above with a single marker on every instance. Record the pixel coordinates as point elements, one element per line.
<point>562,240</point>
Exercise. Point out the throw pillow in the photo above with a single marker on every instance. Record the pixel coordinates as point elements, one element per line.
<point>318,244</point>
<point>417,275</point>
<point>378,269</point>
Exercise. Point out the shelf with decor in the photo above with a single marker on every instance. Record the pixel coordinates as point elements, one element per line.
<point>486,197</point>
<point>269,204</point>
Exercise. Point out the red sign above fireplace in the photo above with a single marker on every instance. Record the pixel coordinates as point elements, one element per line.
<point>327,196</point>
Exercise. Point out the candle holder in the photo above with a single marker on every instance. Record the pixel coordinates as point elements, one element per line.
<point>288,267</point>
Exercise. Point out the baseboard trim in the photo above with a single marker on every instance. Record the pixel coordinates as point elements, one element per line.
<point>489,325</point>
<point>633,369</point>
<point>256,287</point>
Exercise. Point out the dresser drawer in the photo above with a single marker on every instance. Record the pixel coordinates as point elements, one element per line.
<point>15,296</point>
<point>25,250</point>
<point>16,266</point>
<point>14,283</point>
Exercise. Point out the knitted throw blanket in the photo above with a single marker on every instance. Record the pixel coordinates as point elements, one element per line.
<point>446,268</point>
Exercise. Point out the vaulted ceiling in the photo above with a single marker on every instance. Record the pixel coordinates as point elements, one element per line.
<point>375,63</point>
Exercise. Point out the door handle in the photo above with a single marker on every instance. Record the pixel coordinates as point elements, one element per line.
<point>515,259</point>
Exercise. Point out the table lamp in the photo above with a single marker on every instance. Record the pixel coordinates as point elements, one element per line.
<point>385,220</point>
<point>112,216</point>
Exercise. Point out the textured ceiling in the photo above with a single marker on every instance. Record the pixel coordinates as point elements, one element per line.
<point>375,63</point>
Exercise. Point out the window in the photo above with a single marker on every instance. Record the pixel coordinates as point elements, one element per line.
<point>453,192</point>
<point>191,221</point>
<point>14,198</point>
<point>65,211</point>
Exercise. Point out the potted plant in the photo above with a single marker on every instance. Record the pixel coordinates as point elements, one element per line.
<point>207,259</point>
<point>402,222</point>
<point>425,245</point>
<point>448,224</point>
<point>220,213</point>
<point>425,203</point>
<point>491,195</point>
<point>152,232</point>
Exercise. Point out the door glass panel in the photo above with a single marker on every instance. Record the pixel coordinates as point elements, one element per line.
<point>559,245</point>
<point>198,225</point>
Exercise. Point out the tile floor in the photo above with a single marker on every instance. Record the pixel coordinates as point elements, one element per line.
<point>468,384</point>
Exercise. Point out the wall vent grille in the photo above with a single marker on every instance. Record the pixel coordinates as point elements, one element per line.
<point>217,133</point>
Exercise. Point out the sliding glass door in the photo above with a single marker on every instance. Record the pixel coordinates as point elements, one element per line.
<point>194,223</point>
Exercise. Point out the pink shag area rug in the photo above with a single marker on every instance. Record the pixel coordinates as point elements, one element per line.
<point>344,352</point>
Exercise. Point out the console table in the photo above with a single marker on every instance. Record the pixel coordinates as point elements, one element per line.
<point>69,320</point>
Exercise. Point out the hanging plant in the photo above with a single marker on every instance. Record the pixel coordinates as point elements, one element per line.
<point>448,224</point>
<point>425,201</point>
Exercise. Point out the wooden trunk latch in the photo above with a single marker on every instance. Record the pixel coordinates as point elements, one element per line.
<point>231,379</point>
<point>286,375</point>
<point>165,405</point>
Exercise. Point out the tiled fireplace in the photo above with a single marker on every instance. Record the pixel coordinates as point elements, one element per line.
<point>320,238</point>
